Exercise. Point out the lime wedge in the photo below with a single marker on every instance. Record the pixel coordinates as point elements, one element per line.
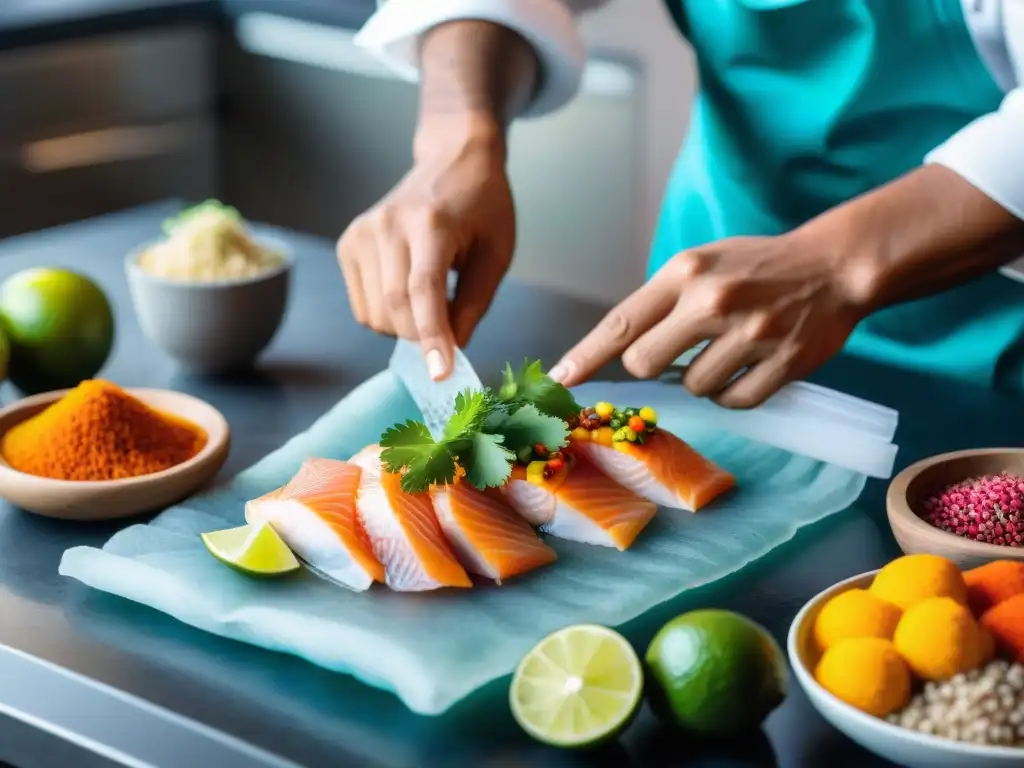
<point>255,550</point>
<point>578,687</point>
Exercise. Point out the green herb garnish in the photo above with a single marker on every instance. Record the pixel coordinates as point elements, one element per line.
<point>531,386</point>
<point>484,434</point>
<point>471,409</point>
<point>490,463</point>
<point>172,223</point>
<point>527,426</point>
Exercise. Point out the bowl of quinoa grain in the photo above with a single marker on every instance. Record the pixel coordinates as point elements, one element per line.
<point>920,662</point>
<point>967,506</point>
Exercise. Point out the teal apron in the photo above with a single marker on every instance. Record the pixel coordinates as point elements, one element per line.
<point>804,104</point>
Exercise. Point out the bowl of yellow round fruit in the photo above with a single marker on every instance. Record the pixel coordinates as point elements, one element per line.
<point>920,662</point>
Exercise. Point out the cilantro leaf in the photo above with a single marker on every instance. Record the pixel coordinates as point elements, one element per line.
<point>527,426</point>
<point>508,384</point>
<point>434,465</point>
<point>531,385</point>
<point>471,409</point>
<point>488,464</point>
<point>403,443</point>
<point>497,415</point>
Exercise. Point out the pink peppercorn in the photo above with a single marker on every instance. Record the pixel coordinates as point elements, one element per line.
<point>982,508</point>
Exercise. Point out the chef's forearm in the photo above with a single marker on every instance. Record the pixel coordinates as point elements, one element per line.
<point>475,77</point>
<point>925,232</point>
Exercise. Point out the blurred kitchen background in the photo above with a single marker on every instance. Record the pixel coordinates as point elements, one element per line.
<point>107,104</point>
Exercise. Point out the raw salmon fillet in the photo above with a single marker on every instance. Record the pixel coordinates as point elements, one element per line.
<point>665,470</point>
<point>315,515</point>
<point>488,537</point>
<point>587,506</point>
<point>404,531</point>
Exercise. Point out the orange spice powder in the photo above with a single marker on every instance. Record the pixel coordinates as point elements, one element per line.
<point>98,431</point>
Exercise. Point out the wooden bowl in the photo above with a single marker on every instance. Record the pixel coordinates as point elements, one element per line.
<point>109,499</point>
<point>913,485</point>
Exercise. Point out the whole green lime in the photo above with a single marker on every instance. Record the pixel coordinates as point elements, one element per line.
<point>60,327</point>
<point>715,672</point>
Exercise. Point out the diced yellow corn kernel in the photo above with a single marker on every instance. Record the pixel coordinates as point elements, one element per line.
<point>535,471</point>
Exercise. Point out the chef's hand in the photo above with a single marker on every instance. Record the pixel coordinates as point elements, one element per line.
<point>772,308</point>
<point>452,211</point>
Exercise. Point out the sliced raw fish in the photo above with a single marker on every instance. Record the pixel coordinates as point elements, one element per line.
<point>586,506</point>
<point>315,515</point>
<point>664,469</point>
<point>404,531</point>
<point>488,537</point>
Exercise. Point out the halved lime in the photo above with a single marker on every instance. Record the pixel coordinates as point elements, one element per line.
<point>255,550</point>
<point>578,687</point>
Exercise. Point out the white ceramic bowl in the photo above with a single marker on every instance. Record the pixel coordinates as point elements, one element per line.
<point>211,327</point>
<point>902,746</point>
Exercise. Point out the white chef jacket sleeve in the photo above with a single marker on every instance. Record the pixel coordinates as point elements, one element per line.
<point>393,35</point>
<point>989,152</point>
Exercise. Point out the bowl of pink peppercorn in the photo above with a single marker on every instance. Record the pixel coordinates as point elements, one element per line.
<point>967,506</point>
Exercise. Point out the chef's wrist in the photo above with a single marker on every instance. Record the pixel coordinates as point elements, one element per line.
<point>842,255</point>
<point>454,135</point>
<point>923,233</point>
<point>475,77</point>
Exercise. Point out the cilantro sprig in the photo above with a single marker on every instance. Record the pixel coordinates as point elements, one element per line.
<point>531,386</point>
<point>484,433</point>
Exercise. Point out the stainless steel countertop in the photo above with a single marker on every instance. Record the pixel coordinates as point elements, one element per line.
<point>87,679</point>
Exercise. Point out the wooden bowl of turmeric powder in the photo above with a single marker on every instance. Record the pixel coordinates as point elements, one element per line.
<point>99,452</point>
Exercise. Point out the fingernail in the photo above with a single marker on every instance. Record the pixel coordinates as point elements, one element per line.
<point>435,365</point>
<point>561,371</point>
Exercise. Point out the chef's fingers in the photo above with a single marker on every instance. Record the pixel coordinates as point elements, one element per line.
<point>373,290</point>
<point>759,383</point>
<point>478,282</point>
<point>346,250</point>
<point>393,258</point>
<point>617,331</point>
<point>432,252</point>
<point>718,363</point>
<point>680,330</point>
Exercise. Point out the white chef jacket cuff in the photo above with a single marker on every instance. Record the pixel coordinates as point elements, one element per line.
<point>393,35</point>
<point>989,153</point>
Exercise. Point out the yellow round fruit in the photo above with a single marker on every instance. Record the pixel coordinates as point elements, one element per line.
<point>910,579</point>
<point>939,638</point>
<point>866,673</point>
<point>855,613</point>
